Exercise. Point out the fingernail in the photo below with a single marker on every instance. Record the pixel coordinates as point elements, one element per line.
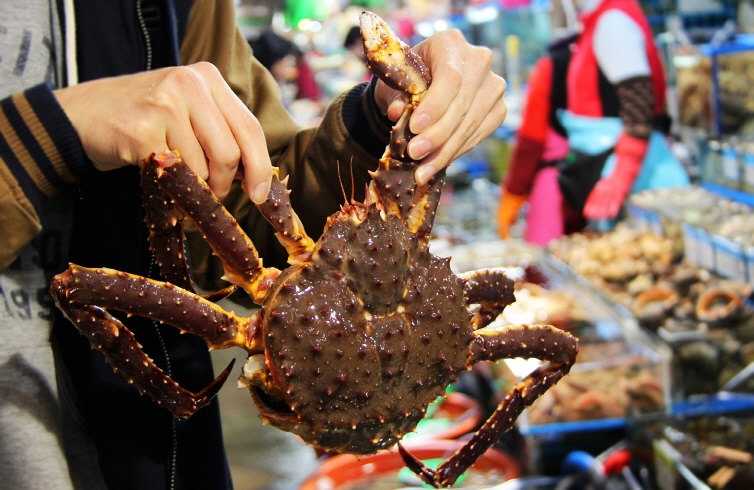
<point>419,123</point>
<point>418,148</point>
<point>260,192</point>
<point>423,174</point>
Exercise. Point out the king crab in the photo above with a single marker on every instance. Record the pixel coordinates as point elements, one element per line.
<point>361,332</point>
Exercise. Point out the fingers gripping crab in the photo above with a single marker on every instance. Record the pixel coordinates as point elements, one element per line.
<point>361,332</point>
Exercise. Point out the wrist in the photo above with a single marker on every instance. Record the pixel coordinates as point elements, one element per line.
<point>363,121</point>
<point>379,115</point>
<point>514,199</point>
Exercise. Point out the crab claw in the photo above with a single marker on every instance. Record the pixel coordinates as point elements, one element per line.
<point>390,59</point>
<point>204,397</point>
<point>417,466</point>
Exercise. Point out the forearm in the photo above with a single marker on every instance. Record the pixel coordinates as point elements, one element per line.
<point>636,97</point>
<point>339,153</point>
<point>524,164</point>
<point>40,154</point>
<point>636,101</point>
<point>532,134</point>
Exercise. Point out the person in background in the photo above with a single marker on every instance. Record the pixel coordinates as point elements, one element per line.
<point>278,54</point>
<point>287,63</point>
<point>352,43</point>
<point>354,66</point>
<point>308,88</point>
<point>616,72</point>
<point>90,90</point>
<point>541,141</point>
<point>614,107</point>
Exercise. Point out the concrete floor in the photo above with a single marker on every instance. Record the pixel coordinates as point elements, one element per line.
<point>261,457</point>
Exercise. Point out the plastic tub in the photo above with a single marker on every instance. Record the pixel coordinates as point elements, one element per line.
<point>386,469</point>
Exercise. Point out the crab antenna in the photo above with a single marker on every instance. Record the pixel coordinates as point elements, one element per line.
<point>340,181</point>
<point>353,182</point>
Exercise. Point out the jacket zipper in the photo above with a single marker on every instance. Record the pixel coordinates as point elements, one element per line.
<point>173,462</point>
<point>173,427</point>
<point>145,33</point>
<point>148,48</point>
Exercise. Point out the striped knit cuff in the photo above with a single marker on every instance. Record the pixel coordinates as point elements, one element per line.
<point>39,145</point>
<point>60,130</point>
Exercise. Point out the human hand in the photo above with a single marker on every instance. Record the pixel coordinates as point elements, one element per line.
<point>607,197</point>
<point>122,120</point>
<point>507,212</point>
<point>463,105</point>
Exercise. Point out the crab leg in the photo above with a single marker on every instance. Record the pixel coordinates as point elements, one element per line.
<point>526,341</point>
<point>84,294</point>
<point>394,61</point>
<point>229,242</point>
<point>166,237</point>
<point>172,191</point>
<point>492,290</point>
<point>289,230</point>
<point>393,185</point>
<point>241,262</point>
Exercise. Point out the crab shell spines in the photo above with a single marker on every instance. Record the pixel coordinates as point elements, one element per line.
<point>353,339</point>
<point>397,192</point>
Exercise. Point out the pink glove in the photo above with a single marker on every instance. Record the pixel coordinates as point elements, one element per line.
<point>607,197</point>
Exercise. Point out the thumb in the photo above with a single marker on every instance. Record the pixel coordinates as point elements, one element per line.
<point>389,101</point>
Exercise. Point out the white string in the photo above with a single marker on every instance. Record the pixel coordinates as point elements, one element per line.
<point>71,65</point>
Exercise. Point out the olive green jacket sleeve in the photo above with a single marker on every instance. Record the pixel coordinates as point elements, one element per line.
<point>341,150</point>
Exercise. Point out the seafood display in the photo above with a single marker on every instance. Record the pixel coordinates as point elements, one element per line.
<point>714,232</point>
<point>694,78</point>
<point>705,319</point>
<point>536,303</point>
<point>619,370</point>
<point>384,471</point>
<point>361,332</point>
<point>711,448</point>
<point>612,261</point>
<point>715,88</point>
<point>630,383</point>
